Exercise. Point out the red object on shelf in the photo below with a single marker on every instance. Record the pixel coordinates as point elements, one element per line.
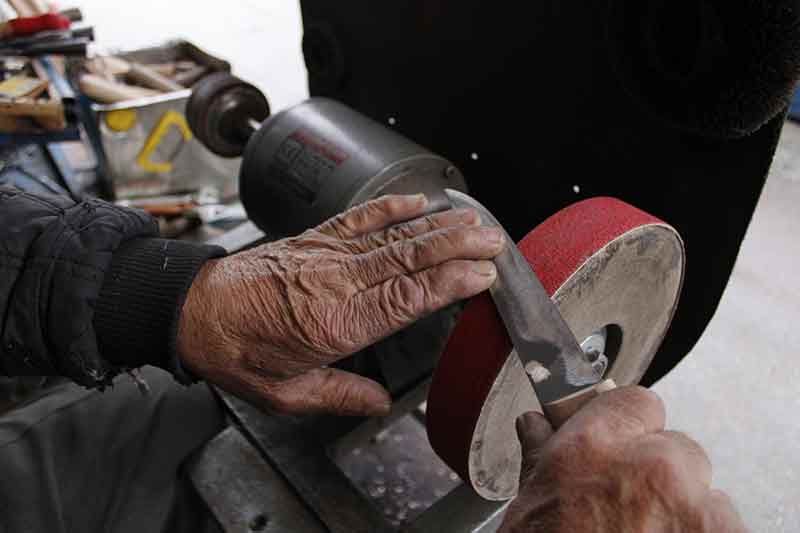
<point>20,27</point>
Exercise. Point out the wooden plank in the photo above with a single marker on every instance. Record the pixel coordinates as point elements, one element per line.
<point>28,107</point>
<point>10,124</point>
<point>22,86</point>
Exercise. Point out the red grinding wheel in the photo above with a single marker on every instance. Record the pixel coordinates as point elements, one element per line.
<point>609,267</point>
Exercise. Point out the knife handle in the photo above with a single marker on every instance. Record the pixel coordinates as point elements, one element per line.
<point>560,411</point>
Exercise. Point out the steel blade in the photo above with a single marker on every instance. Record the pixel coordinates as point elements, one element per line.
<point>537,330</point>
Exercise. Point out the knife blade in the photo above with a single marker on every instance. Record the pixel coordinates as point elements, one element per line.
<point>540,336</point>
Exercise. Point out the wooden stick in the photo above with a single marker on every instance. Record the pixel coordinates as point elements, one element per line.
<point>110,92</point>
<point>165,69</point>
<point>39,7</point>
<point>28,107</point>
<point>22,87</point>
<point>29,8</point>
<point>189,77</point>
<point>11,124</point>
<point>560,411</point>
<point>148,77</point>
<point>23,8</point>
<point>41,72</point>
<point>50,124</point>
<point>107,67</point>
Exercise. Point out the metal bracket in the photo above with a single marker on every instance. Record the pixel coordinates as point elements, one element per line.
<point>278,474</point>
<point>244,492</point>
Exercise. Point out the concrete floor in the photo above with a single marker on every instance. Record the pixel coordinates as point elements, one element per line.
<point>737,391</point>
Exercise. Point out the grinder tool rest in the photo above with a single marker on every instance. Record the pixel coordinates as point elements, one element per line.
<point>600,271</point>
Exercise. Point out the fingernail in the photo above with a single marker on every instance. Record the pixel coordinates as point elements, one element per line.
<point>533,430</point>
<point>494,235</point>
<point>470,217</point>
<point>528,422</point>
<point>484,268</point>
<point>420,199</point>
<point>386,406</point>
<point>381,408</point>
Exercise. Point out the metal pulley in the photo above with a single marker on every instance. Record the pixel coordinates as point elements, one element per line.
<point>224,111</point>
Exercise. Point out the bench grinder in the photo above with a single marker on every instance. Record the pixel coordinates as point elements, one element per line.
<point>614,274</point>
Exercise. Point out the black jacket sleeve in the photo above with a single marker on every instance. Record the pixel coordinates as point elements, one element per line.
<point>87,290</point>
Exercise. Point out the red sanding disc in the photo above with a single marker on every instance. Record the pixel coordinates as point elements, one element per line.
<point>609,267</point>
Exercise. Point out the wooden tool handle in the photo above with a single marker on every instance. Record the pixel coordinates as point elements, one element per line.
<point>109,92</point>
<point>189,77</point>
<point>23,8</point>
<point>560,411</point>
<point>165,69</point>
<point>148,77</point>
<point>107,66</point>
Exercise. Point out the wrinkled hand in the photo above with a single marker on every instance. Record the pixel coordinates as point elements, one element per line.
<point>263,323</point>
<point>613,468</point>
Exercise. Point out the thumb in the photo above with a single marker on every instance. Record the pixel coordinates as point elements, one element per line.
<point>334,391</point>
<point>533,431</point>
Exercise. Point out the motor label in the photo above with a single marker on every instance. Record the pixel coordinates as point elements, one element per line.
<point>304,162</point>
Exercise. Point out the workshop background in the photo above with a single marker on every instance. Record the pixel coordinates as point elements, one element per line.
<point>736,392</point>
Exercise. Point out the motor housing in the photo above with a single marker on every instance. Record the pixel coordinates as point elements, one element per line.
<point>319,158</point>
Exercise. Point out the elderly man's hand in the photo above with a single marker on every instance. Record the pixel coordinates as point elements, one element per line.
<point>263,323</point>
<point>613,468</point>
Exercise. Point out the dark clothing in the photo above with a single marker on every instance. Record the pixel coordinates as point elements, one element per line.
<point>87,290</point>
<point>80,461</point>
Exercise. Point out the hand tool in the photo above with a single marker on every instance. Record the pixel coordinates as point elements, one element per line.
<point>23,26</point>
<point>66,47</point>
<point>86,32</point>
<point>163,206</point>
<point>173,204</point>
